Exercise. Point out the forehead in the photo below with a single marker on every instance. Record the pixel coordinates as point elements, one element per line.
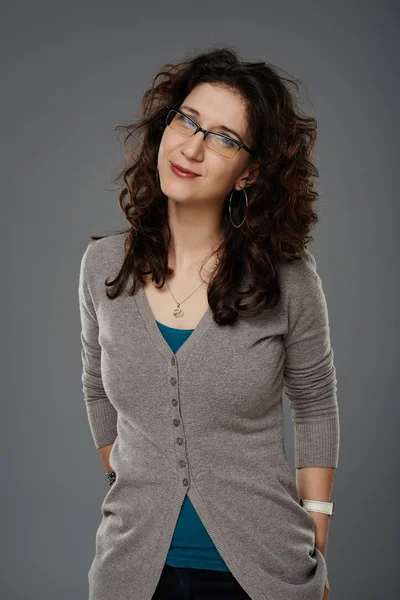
<point>218,105</point>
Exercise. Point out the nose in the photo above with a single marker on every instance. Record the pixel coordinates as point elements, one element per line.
<point>193,146</point>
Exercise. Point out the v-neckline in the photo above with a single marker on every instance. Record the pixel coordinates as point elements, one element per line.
<point>156,335</point>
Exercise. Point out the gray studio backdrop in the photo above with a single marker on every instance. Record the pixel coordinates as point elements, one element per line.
<point>70,73</point>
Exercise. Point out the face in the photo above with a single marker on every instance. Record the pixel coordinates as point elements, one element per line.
<point>218,175</point>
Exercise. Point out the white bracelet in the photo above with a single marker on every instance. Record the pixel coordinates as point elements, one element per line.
<point>318,506</point>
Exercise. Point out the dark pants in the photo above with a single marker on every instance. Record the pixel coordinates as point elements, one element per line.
<point>181,583</point>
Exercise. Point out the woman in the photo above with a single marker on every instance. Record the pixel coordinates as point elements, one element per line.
<point>183,372</point>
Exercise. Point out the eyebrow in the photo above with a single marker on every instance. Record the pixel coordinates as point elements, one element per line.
<point>196,112</point>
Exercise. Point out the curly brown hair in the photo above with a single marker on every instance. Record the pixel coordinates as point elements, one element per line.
<point>280,211</point>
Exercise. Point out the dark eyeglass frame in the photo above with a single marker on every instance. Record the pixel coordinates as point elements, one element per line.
<point>207,131</point>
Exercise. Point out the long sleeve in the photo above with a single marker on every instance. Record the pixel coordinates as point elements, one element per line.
<point>310,377</point>
<point>102,415</point>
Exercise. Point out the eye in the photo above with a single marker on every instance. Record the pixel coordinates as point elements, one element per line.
<point>228,143</point>
<point>186,120</point>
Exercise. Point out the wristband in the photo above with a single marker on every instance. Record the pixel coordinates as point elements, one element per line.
<point>318,506</point>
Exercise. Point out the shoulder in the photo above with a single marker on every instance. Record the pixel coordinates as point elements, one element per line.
<point>300,270</point>
<point>105,254</point>
<point>299,279</point>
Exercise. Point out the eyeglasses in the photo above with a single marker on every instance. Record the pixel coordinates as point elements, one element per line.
<point>219,142</point>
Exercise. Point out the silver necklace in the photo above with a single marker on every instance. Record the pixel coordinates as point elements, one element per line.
<point>178,312</point>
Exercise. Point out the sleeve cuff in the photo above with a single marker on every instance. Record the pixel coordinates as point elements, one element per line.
<point>103,422</point>
<point>317,443</point>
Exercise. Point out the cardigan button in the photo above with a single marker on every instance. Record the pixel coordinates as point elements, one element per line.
<point>173,360</point>
<point>173,381</point>
<point>174,401</point>
<point>182,463</point>
<point>176,422</point>
<point>179,440</point>
<point>185,482</point>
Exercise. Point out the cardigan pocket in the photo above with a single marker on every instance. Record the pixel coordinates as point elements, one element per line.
<point>310,520</point>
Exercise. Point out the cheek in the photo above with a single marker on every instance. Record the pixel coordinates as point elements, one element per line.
<point>222,177</point>
<point>218,171</point>
<point>170,141</point>
<point>167,145</point>
<point>163,146</point>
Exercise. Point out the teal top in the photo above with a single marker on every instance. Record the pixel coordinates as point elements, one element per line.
<point>191,545</point>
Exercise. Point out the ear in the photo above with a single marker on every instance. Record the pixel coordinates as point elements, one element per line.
<point>248,177</point>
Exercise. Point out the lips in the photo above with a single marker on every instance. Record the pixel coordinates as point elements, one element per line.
<point>184,170</point>
<point>177,169</point>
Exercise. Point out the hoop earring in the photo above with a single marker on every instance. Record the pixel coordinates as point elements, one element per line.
<point>230,208</point>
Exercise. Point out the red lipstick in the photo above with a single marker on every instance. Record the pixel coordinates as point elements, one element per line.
<point>184,173</point>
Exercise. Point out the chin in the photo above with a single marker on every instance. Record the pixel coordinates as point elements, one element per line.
<point>175,187</point>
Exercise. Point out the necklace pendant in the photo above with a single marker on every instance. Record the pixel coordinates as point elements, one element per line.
<point>178,312</point>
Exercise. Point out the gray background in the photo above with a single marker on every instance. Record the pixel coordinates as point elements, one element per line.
<point>70,74</point>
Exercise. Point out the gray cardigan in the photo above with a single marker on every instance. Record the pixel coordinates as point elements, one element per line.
<point>207,422</point>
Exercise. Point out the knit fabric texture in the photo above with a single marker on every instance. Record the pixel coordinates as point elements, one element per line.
<point>207,422</point>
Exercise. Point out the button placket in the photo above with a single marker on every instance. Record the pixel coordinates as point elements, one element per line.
<point>178,424</point>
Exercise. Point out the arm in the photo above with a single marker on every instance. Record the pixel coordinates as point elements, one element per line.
<point>105,456</point>
<point>101,413</point>
<point>311,386</point>
<point>315,483</point>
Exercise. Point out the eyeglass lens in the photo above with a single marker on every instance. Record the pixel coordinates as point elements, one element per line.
<point>184,125</point>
